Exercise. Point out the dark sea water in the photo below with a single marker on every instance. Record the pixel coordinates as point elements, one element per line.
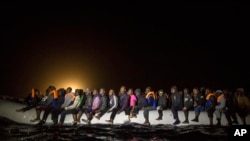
<point>12,131</point>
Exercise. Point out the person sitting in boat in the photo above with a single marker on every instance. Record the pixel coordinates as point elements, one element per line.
<point>177,103</point>
<point>113,101</point>
<point>188,104</point>
<point>210,104</point>
<point>46,105</point>
<point>123,103</point>
<point>221,103</point>
<point>161,104</point>
<point>104,104</point>
<point>68,100</point>
<point>61,93</point>
<point>94,107</point>
<point>230,110</point>
<point>87,103</point>
<point>132,102</point>
<point>141,102</point>
<point>199,103</point>
<point>32,100</point>
<point>243,104</point>
<point>151,104</point>
<point>79,99</point>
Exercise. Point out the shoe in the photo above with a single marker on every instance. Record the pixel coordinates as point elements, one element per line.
<point>97,117</point>
<point>146,123</point>
<point>86,121</point>
<point>41,122</point>
<point>235,122</point>
<point>75,123</point>
<point>176,122</point>
<point>127,121</point>
<point>218,124</point>
<point>20,110</point>
<point>34,120</point>
<point>185,122</point>
<point>195,120</point>
<point>159,118</point>
<point>110,121</point>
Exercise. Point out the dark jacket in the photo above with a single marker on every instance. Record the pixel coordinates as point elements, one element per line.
<point>142,102</point>
<point>59,101</point>
<point>188,101</point>
<point>200,99</point>
<point>162,101</point>
<point>123,101</point>
<point>177,100</point>
<point>104,102</point>
<point>32,101</point>
<point>88,101</point>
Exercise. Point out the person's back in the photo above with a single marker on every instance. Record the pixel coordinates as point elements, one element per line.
<point>61,98</point>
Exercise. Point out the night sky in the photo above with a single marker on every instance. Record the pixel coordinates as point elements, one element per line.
<point>135,44</point>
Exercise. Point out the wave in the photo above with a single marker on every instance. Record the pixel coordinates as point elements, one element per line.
<point>11,130</point>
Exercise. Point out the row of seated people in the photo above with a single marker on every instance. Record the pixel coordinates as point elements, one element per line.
<point>96,103</point>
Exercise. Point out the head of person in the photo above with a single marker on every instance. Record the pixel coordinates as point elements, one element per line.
<point>208,91</point>
<point>239,91</point>
<point>111,92</point>
<point>218,92</point>
<point>88,91</point>
<point>81,92</point>
<point>95,92</point>
<point>161,92</point>
<point>37,92</point>
<point>137,92</point>
<point>77,92</point>
<point>195,91</point>
<point>102,91</point>
<point>130,91</point>
<point>69,90</point>
<point>61,92</point>
<point>173,89</point>
<point>122,89</point>
<point>50,88</point>
<point>186,91</point>
<point>148,89</point>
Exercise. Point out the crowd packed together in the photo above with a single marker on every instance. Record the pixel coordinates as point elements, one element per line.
<point>95,103</point>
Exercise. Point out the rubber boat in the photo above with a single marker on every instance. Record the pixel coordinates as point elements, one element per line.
<point>8,110</point>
